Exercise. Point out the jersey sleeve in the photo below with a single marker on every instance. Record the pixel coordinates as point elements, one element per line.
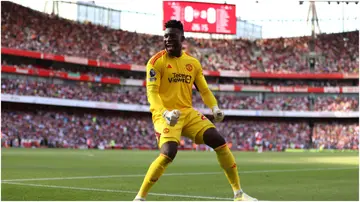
<point>153,80</point>
<point>202,86</point>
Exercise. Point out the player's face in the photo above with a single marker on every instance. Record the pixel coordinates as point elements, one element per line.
<point>173,41</point>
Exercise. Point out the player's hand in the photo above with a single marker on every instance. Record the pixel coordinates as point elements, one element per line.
<point>171,117</point>
<point>218,114</point>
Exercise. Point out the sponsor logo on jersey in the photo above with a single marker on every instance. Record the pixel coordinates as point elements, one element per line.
<point>166,130</point>
<point>180,78</point>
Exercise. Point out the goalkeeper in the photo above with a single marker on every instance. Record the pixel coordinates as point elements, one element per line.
<point>170,75</point>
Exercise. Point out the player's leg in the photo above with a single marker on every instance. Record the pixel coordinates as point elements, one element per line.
<point>168,140</point>
<point>203,131</point>
<point>212,138</point>
<point>167,154</point>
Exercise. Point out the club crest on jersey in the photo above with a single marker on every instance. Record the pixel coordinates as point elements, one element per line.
<point>189,67</point>
<point>152,74</point>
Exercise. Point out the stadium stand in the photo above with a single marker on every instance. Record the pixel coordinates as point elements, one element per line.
<point>101,43</point>
<point>72,128</point>
<point>26,29</point>
<point>137,95</point>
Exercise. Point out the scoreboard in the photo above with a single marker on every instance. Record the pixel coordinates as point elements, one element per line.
<point>202,17</point>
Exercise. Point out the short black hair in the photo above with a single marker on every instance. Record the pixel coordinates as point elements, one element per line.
<point>175,24</point>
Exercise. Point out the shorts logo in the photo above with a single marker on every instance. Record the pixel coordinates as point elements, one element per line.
<point>189,67</point>
<point>203,117</point>
<point>166,130</point>
<point>152,74</point>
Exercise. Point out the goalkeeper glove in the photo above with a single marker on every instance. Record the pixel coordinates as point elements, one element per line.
<point>171,117</point>
<point>218,114</point>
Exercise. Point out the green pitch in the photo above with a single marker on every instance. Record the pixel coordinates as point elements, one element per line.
<point>60,174</point>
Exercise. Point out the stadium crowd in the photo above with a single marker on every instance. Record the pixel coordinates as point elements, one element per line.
<point>302,83</point>
<point>336,136</point>
<point>137,95</point>
<point>23,28</point>
<point>71,69</point>
<point>336,103</point>
<point>102,72</point>
<point>67,129</point>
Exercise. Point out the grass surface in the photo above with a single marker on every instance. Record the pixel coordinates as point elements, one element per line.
<point>60,174</point>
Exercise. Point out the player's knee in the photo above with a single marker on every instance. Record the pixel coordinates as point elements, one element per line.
<point>169,149</point>
<point>212,138</point>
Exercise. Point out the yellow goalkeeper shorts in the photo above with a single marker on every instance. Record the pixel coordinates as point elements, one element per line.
<point>191,124</point>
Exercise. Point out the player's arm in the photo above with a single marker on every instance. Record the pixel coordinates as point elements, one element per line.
<point>206,95</point>
<point>153,81</point>
<point>202,86</point>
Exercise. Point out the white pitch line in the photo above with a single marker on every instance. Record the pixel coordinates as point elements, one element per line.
<point>176,174</point>
<point>103,176</point>
<point>115,191</point>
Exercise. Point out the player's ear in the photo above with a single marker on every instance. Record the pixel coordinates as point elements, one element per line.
<point>182,38</point>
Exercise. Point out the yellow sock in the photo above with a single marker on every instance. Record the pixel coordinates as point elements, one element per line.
<point>156,169</point>
<point>227,162</point>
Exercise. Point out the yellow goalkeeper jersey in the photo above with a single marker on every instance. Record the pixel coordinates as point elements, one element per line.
<point>169,82</point>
